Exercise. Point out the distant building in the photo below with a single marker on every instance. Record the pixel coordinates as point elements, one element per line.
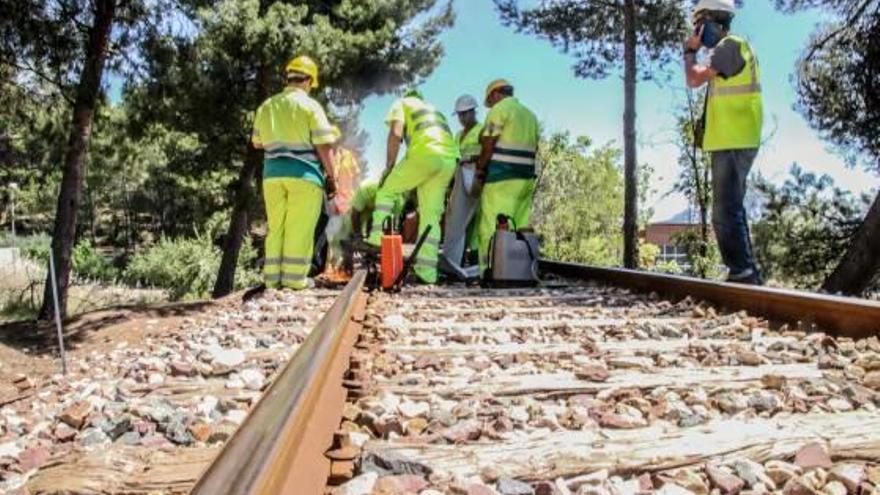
<point>661,234</point>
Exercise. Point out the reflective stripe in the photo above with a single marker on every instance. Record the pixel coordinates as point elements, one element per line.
<point>322,132</point>
<point>295,261</point>
<point>425,262</point>
<point>513,160</point>
<point>293,277</point>
<point>419,113</point>
<point>287,146</point>
<point>272,261</point>
<point>430,241</point>
<point>382,208</point>
<point>432,123</point>
<point>515,147</point>
<point>740,89</point>
<point>287,154</point>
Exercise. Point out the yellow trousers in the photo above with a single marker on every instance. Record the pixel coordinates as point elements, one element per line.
<point>293,207</point>
<point>429,175</point>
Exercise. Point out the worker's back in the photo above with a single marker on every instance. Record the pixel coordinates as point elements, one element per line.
<point>425,129</point>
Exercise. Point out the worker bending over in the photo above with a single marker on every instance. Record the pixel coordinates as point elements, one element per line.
<point>732,127</point>
<point>427,167</point>
<point>298,168</point>
<point>363,204</point>
<point>463,199</point>
<point>506,164</point>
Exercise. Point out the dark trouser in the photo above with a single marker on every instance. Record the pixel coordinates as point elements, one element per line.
<point>730,168</point>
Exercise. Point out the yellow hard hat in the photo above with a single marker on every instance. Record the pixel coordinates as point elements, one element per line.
<point>497,83</point>
<point>304,65</point>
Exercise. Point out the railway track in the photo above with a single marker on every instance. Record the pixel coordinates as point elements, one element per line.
<point>573,387</point>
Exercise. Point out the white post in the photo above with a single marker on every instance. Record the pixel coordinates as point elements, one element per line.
<point>57,311</point>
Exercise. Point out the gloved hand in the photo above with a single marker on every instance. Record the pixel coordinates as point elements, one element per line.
<point>330,187</point>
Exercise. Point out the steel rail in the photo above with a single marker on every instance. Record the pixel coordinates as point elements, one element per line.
<point>277,450</point>
<point>836,315</point>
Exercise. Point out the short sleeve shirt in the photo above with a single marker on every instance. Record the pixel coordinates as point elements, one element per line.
<point>726,58</point>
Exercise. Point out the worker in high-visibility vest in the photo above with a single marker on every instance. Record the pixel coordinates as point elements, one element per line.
<point>298,168</point>
<point>506,166</point>
<point>462,204</point>
<point>363,204</point>
<point>731,130</point>
<point>428,166</point>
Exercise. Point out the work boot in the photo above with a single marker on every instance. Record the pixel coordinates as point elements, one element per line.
<point>753,278</point>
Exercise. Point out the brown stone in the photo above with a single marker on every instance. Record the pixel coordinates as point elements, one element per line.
<point>403,484</point>
<point>416,425</point>
<point>774,382</point>
<point>463,431</point>
<point>619,421</point>
<point>812,455</point>
<point>797,486</point>
<point>183,369</point>
<point>33,458</point>
<point>646,484</point>
<point>201,431</point>
<point>75,415</point>
<point>471,489</point>
<point>544,488</point>
<point>388,424</point>
<point>851,475</point>
<point>729,484</point>
<point>340,472</point>
<point>592,373</point>
<point>872,380</point>
<point>221,432</point>
<point>64,433</point>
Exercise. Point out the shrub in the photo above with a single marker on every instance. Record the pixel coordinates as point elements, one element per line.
<point>90,264</point>
<point>187,267</point>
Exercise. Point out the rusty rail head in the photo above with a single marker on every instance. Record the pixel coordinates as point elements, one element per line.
<point>839,316</point>
<point>259,458</point>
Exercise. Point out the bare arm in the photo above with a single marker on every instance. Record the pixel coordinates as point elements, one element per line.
<point>395,135</point>
<point>696,75</point>
<point>328,161</point>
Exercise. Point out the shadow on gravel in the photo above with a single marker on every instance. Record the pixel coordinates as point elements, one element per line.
<point>40,337</point>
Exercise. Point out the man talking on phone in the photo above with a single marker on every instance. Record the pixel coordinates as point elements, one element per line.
<point>730,129</point>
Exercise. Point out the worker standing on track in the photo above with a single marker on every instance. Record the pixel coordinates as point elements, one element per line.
<point>506,164</point>
<point>429,164</point>
<point>732,127</point>
<point>463,203</point>
<point>298,168</point>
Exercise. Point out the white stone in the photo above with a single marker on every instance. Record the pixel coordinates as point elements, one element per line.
<point>207,406</point>
<point>361,485</point>
<point>519,414</point>
<point>673,489</point>
<point>236,416</point>
<point>253,379</point>
<point>234,382</point>
<point>155,379</point>
<point>228,357</point>
<point>395,321</point>
<point>410,409</point>
<point>9,449</point>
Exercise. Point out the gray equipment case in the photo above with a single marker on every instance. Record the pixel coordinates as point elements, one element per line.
<point>513,258</point>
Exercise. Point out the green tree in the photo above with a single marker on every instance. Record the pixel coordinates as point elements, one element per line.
<point>602,35</point>
<point>837,80</point>
<point>240,48</point>
<point>66,44</point>
<point>806,226</point>
<point>579,201</point>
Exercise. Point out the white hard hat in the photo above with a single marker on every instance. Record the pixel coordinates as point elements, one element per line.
<point>721,5</point>
<point>465,103</point>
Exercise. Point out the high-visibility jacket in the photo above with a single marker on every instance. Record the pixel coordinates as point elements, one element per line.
<point>734,112</point>
<point>518,134</point>
<point>288,125</point>
<point>425,129</point>
<point>469,144</point>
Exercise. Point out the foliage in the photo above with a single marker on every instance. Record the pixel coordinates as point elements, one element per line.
<point>90,264</point>
<point>702,254</point>
<point>648,254</point>
<point>186,267</point>
<point>806,226</point>
<point>593,32</point>
<point>579,202</point>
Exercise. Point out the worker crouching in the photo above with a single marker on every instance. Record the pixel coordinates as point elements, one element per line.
<point>293,130</point>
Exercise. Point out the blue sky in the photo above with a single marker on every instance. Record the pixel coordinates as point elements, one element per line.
<point>479,49</point>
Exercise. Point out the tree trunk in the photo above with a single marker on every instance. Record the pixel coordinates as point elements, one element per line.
<point>244,197</point>
<point>64,233</point>
<point>861,262</point>
<point>630,212</point>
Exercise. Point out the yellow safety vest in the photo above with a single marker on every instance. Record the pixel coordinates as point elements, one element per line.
<point>425,129</point>
<point>734,112</point>
<point>518,134</point>
<point>469,144</point>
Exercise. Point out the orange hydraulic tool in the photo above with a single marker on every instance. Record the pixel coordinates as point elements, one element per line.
<point>391,255</point>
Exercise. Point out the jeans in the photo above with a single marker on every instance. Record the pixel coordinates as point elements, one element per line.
<point>729,171</point>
